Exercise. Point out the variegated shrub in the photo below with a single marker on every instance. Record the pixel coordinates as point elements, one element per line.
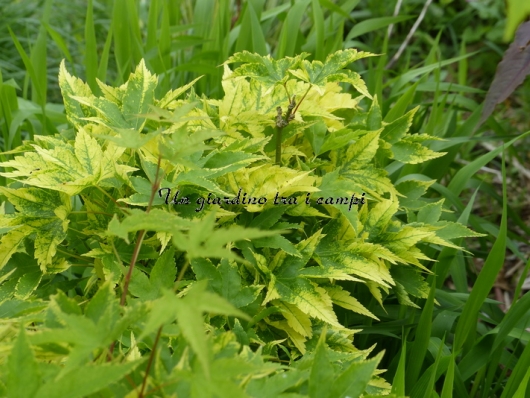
<point>116,205</point>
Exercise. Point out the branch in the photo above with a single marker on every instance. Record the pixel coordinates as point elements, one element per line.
<point>136,252</point>
<point>409,36</point>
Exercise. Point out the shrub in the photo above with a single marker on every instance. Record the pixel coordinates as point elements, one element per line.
<point>241,235</point>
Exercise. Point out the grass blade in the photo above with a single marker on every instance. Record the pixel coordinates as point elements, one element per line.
<point>398,383</point>
<point>39,89</point>
<point>448,255</point>
<point>466,327</point>
<point>522,278</point>
<point>460,179</point>
<point>251,36</point>
<point>91,56</point>
<point>291,29</point>
<point>58,39</point>
<point>372,24</point>
<point>400,107</point>
<point>38,56</point>
<point>122,40</point>
<point>407,77</point>
<point>447,390</point>
<point>514,315</point>
<point>152,25</point>
<point>421,341</point>
<point>318,23</point>
<point>104,63</point>
<point>519,375</point>
<point>521,390</point>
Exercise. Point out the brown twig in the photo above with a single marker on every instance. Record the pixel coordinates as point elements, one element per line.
<point>283,121</point>
<point>236,15</point>
<point>287,91</point>
<point>157,339</point>
<point>136,252</point>
<point>134,257</point>
<point>140,238</point>
<point>410,34</point>
<point>150,362</point>
<point>303,97</point>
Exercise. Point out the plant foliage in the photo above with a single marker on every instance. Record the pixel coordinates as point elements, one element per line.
<point>229,267</point>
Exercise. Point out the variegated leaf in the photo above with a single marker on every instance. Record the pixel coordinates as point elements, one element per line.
<point>41,212</point>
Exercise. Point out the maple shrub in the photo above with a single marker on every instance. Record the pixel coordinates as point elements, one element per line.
<point>137,257</point>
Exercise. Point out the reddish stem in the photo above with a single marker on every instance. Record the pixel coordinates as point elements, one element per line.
<point>150,362</point>
<point>136,252</point>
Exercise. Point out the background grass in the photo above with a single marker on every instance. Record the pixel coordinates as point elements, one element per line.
<point>469,338</point>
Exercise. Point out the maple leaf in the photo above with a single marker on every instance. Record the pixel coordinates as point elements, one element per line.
<point>287,282</point>
<point>264,68</point>
<point>332,70</point>
<point>38,211</point>
<point>121,107</point>
<point>65,167</point>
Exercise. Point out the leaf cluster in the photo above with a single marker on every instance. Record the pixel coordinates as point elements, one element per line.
<point>216,300</point>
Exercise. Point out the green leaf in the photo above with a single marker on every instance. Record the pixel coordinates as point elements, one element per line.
<point>85,380</point>
<point>316,134</point>
<point>373,24</point>
<point>465,329</point>
<point>100,303</point>
<point>74,87</point>
<point>374,117</point>
<point>396,130</point>
<point>337,139</point>
<point>203,240</point>
<point>460,179</point>
<point>447,391</point>
<point>363,151</point>
<point>172,95</point>
<point>225,281</point>
<point>289,285</point>
<point>411,280</point>
<point>10,242</point>
<point>453,230</point>
<point>517,11</point>
<point>277,242</point>
<point>140,286</point>
<point>319,73</point>
<point>268,217</point>
<point>24,376</point>
<point>108,112</point>
<point>379,217</point>
<point>343,299</point>
<point>128,138</point>
<point>296,319</point>
<point>398,383</point>
<point>273,386</point>
<point>164,272</point>
<point>421,340</point>
<point>138,96</point>
<point>42,212</point>
<point>322,371</point>
<point>354,380</point>
<point>409,151</point>
<point>28,283</point>
<point>264,68</point>
<point>521,390</point>
<point>188,313</point>
<point>156,220</point>
<point>355,259</point>
<point>430,213</point>
<point>66,168</point>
